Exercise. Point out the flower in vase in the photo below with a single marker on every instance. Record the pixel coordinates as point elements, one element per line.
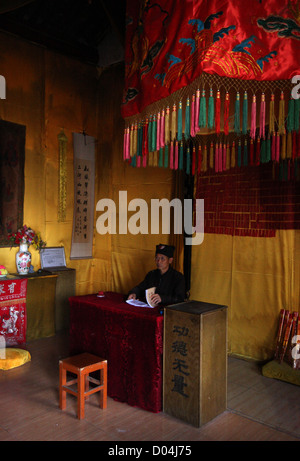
<point>27,235</point>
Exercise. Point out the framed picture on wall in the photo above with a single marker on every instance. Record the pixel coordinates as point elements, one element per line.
<point>12,160</point>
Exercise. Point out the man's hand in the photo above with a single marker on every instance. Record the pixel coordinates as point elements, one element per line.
<point>155,298</point>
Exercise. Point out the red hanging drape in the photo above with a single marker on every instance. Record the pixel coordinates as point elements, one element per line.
<point>169,43</point>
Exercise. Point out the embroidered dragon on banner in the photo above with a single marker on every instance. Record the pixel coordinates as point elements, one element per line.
<point>206,48</point>
<point>205,45</point>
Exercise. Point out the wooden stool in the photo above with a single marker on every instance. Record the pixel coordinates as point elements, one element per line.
<point>82,365</point>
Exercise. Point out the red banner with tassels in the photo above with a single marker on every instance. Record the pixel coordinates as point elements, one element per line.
<point>201,68</point>
<point>169,43</point>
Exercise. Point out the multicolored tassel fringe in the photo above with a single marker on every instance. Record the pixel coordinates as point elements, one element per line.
<point>173,138</point>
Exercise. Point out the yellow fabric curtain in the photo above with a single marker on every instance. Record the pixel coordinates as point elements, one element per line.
<point>256,278</point>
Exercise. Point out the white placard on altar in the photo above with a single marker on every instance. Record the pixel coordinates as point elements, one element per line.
<point>52,258</point>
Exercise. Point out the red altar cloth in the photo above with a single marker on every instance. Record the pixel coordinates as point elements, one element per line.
<point>130,338</point>
<point>13,310</point>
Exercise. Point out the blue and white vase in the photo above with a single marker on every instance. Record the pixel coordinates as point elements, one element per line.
<point>23,259</point>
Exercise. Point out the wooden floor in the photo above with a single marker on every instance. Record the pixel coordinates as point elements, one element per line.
<point>259,408</point>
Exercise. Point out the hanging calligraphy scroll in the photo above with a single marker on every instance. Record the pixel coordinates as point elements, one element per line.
<point>62,181</point>
<point>196,68</point>
<point>84,190</point>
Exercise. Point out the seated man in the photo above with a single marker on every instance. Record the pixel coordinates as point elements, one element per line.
<point>169,283</point>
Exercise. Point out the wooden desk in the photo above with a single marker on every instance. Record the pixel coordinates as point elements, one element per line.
<point>130,338</point>
<point>41,306</point>
<point>65,288</point>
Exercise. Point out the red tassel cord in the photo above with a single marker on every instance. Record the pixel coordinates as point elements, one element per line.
<point>281,116</point>
<point>145,139</point>
<point>172,155</point>
<point>126,144</point>
<point>145,161</point>
<point>131,141</point>
<point>162,129</point>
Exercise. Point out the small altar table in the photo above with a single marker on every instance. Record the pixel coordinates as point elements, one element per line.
<point>27,307</point>
<point>129,337</point>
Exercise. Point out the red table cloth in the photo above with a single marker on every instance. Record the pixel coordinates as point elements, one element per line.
<point>129,337</point>
<point>13,310</point>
